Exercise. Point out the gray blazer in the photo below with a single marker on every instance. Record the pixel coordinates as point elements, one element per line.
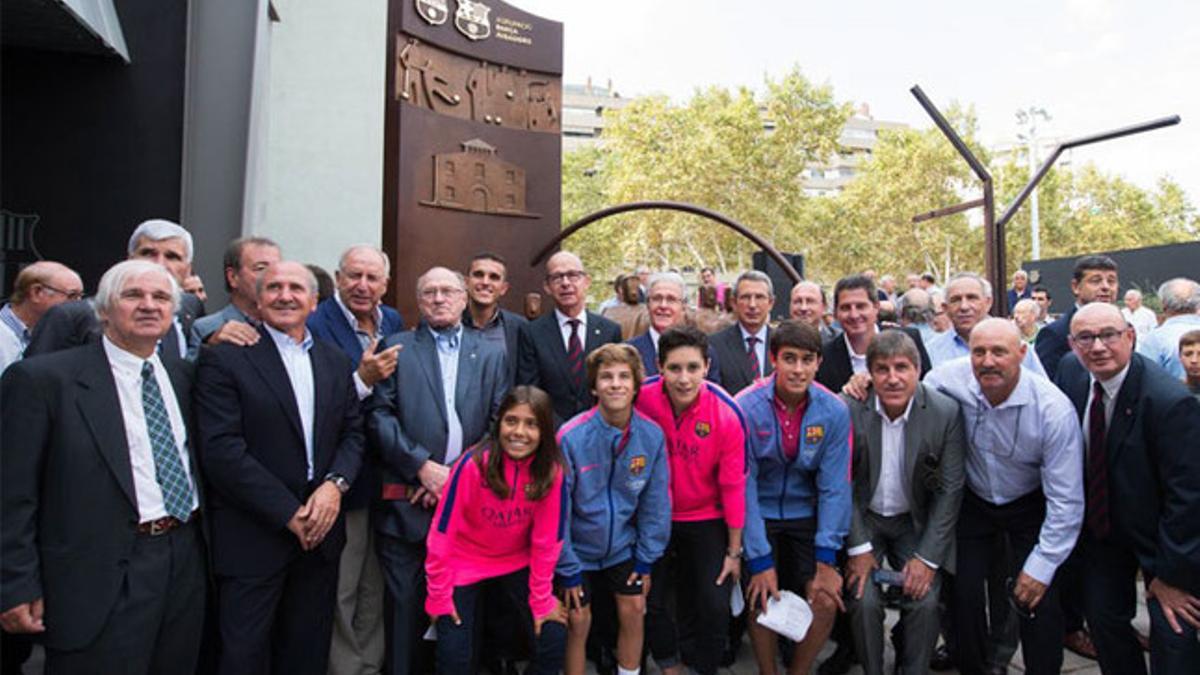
<point>935,445</point>
<point>407,422</point>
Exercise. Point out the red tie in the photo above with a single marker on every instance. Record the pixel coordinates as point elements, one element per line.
<point>575,354</point>
<point>1097,467</point>
<point>752,354</point>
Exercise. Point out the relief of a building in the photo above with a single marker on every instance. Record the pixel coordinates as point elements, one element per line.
<point>477,180</point>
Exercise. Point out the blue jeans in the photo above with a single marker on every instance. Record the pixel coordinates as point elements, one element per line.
<point>457,645</point>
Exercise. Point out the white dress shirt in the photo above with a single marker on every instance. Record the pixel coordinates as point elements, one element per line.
<point>127,373</point>
<point>858,362</point>
<point>889,498</point>
<point>298,364</point>
<point>760,347</point>
<point>564,327</point>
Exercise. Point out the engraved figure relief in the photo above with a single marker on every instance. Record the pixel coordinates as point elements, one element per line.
<point>477,180</point>
<point>471,19</point>
<point>489,93</point>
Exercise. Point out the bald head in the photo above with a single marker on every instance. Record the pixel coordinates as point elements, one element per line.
<point>1096,311</point>
<point>993,327</point>
<point>996,355</point>
<point>1102,339</point>
<point>42,285</point>
<point>563,257</point>
<point>567,282</point>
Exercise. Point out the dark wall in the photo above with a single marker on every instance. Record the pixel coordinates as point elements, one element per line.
<point>779,279</point>
<point>92,146</point>
<point>1143,268</point>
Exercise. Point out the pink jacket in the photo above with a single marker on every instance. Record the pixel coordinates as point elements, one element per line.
<point>477,535</point>
<point>706,447</point>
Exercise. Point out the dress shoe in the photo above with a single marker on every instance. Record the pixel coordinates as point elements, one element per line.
<point>839,663</point>
<point>941,661</point>
<point>1080,642</point>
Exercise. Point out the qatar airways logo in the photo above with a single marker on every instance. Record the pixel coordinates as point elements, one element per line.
<point>509,517</point>
<point>683,450</point>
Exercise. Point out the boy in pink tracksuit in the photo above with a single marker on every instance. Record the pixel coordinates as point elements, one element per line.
<point>707,458</point>
<point>501,520</point>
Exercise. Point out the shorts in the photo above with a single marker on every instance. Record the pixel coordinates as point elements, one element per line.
<point>610,580</point>
<point>793,546</point>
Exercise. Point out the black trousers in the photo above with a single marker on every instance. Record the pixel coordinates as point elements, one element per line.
<point>281,623</point>
<point>1110,576</point>
<point>1020,521</point>
<point>156,624</point>
<point>686,612</point>
<point>404,618</point>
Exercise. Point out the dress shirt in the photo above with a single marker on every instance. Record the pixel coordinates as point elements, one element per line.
<point>858,362</point>
<point>949,346</point>
<point>1142,319</point>
<point>14,337</point>
<point>298,364</point>
<point>789,426</point>
<point>449,347</point>
<point>493,332</point>
<point>564,327</point>
<point>1161,345</point>
<point>1031,440</point>
<point>654,336</point>
<point>889,498</point>
<point>760,347</point>
<point>127,373</point>
<point>1111,387</point>
<point>927,333</point>
<point>364,340</point>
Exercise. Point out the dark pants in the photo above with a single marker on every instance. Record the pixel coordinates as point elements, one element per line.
<point>979,522</point>
<point>280,623</point>
<point>1110,575</point>
<point>156,624</point>
<point>456,644</point>
<point>684,600</point>
<point>404,618</point>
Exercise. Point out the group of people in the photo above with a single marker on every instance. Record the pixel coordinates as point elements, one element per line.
<point>295,485</point>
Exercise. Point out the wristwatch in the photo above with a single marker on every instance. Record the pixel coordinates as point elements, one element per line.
<point>339,481</point>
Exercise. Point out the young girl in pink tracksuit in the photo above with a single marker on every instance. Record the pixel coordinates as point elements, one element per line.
<point>501,519</point>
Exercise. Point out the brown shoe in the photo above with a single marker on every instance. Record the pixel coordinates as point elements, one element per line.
<point>1080,642</point>
<point>1143,640</point>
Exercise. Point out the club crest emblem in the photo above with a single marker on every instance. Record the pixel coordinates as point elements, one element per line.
<point>471,19</point>
<point>434,11</point>
<point>703,429</point>
<point>637,465</point>
<point>814,434</point>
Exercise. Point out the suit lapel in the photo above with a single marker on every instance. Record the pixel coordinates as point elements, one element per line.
<point>181,382</point>
<point>431,365</point>
<point>1124,410</point>
<point>101,410</point>
<point>874,445</point>
<point>594,339</point>
<point>323,380</point>
<point>468,368</point>
<point>912,442</point>
<point>265,359</point>
<point>343,331</point>
<point>551,334</point>
<point>767,368</point>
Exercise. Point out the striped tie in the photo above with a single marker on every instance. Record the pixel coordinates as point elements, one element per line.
<point>1097,467</point>
<point>752,353</point>
<point>168,467</point>
<point>575,354</point>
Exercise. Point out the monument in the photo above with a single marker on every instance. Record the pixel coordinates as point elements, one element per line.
<point>473,153</point>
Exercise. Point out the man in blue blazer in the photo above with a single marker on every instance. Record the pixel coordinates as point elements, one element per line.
<point>440,400</point>
<point>356,320</point>
<point>554,347</point>
<point>1142,478</point>
<point>666,297</point>
<point>487,284</point>
<point>281,441</point>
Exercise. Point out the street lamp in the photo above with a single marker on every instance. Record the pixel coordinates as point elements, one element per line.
<point>1027,117</point>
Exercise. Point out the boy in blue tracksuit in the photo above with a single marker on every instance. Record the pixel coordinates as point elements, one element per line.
<point>799,494</point>
<point>619,517</point>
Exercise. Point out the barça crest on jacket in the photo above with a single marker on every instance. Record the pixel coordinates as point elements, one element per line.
<point>471,19</point>
<point>703,429</point>
<point>434,11</point>
<point>637,465</point>
<point>814,434</point>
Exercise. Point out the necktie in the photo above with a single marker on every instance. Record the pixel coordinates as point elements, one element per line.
<point>168,467</point>
<point>1097,467</point>
<point>575,354</point>
<point>752,354</point>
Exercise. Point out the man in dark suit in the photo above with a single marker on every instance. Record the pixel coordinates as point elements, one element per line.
<point>280,443</point>
<point>487,284</point>
<point>908,482</point>
<point>100,550</point>
<point>666,298</point>
<point>1094,279</point>
<point>440,400</point>
<point>245,258</point>
<point>1142,478</point>
<point>554,347</point>
<point>74,323</point>
<point>857,310</point>
<point>356,320</point>
<point>742,348</point>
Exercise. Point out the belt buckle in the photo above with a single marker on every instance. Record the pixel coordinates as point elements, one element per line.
<point>159,526</point>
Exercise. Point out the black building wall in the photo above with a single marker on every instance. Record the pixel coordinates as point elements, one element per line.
<point>92,146</point>
<point>1141,268</point>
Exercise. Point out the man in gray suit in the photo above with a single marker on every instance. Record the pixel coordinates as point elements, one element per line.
<point>439,402</point>
<point>908,482</point>
<point>741,349</point>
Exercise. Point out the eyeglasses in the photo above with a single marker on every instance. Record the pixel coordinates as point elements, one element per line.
<point>1108,336</point>
<point>444,291</point>
<point>573,276</point>
<point>70,295</point>
<point>664,300</point>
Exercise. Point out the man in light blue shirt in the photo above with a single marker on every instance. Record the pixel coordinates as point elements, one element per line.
<point>1024,481</point>
<point>968,301</point>
<point>1181,306</point>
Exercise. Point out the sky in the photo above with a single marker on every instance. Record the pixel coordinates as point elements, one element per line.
<point>1094,65</point>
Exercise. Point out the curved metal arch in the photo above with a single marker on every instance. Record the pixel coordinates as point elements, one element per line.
<point>668,206</point>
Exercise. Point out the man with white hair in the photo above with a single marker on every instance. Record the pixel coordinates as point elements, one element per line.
<point>38,287</point>
<point>1180,300</point>
<point>968,300</point>
<point>1020,289</point>
<point>666,298</point>
<point>1141,317</point>
<point>100,551</point>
